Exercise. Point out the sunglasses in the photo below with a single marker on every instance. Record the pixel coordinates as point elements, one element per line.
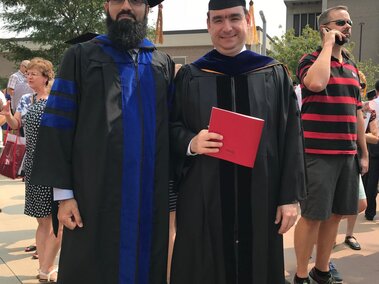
<point>131,2</point>
<point>341,23</point>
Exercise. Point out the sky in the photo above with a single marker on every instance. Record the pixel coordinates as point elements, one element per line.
<point>191,15</point>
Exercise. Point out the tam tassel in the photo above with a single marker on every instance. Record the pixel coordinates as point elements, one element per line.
<point>252,36</point>
<point>159,26</point>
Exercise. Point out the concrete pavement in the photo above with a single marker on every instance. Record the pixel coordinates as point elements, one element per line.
<point>17,231</point>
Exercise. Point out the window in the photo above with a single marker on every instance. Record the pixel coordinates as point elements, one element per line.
<point>301,20</point>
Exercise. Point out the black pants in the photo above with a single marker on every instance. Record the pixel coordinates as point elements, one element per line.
<point>370,182</point>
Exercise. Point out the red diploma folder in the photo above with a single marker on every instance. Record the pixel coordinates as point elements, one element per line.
<point>242,134</point>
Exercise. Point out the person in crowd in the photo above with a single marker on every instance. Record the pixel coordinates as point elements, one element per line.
<point>3,101</point>
<point>103,146</point>
<point>17,78</point>
<point>17,87</point>
<point>370,180</point>
<point>371,137</point>
<point>173,195</point>
<point>38,198</point>
<point>370,130</point>
<point>231,218</point>
<point>2,121</point>
<point>333,123</point>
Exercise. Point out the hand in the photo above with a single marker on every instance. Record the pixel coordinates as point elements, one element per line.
<point>287,215</point>
<point>69,215</point>
<point>364,165</point>
<point>331,35</point>
<point>204,143</point>
<point>5,108</point>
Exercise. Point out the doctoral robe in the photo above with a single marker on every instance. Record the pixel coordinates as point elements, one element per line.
<point>226,212</point>
<point>104,134</point>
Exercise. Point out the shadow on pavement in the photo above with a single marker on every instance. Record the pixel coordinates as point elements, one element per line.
<point>13,209</point>
<point>9,249</point>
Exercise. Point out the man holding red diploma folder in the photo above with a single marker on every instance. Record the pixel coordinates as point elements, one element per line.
<point>230,218</point>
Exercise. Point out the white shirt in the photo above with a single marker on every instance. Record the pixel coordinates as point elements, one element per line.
<point>2,98</point>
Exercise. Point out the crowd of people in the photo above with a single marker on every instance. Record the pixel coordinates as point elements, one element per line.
<point>118,144</point>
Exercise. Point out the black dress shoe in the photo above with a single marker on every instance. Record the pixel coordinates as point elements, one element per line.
<point>352,243</point>
<point>369,218</point>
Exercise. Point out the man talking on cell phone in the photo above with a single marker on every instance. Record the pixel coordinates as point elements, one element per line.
<point>333,125</point>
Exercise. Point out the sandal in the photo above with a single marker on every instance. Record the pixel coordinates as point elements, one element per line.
<point>30,248</point>
<point>47,277</point>
<point>35,255</point>
<point>352,243</point>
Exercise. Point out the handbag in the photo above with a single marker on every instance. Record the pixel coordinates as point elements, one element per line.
<point>12,155</point>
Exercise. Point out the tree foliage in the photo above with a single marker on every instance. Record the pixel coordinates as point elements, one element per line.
<point>371,71</point>
<point>48,25</point>
<point>290,48</point>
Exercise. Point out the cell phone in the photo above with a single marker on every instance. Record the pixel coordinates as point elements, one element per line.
<point>341,42</point>
<point>338,40</point>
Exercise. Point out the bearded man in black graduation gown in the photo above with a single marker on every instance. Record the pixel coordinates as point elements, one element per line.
<point>230,218</point>
<point>103,146</point>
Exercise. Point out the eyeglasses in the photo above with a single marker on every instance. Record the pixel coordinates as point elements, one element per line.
<point>131,2</point>
<point>341,23</point>
<point>34,74</point>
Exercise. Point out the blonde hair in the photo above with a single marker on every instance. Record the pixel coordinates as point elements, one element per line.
<point>44,66</point>
<point>362,79</point>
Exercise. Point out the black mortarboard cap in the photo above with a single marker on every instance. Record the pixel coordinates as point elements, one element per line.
<point>371,94</point>
<point>153,3</point>
<point>224,4</point>
<point>82,38</point>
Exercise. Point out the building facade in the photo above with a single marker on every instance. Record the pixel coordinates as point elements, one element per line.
<point>186,46</point>
<point>364,14</point>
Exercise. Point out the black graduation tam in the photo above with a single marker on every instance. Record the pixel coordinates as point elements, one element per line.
<point>224,4</point>
<point>82,38</point>
<point>371,94</point>
<point>153,3</point>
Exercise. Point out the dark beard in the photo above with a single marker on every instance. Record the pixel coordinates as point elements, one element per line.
<point>126,34</point>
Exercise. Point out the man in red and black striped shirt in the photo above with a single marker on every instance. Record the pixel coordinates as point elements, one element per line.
<point>333,124</point>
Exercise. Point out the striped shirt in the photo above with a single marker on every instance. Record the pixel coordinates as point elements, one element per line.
<point>330,116</point>
<point>16,78</point>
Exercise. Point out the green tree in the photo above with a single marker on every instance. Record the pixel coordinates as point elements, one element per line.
<point>290,48</point>
<point>48,25</point>
<point>371,71</point>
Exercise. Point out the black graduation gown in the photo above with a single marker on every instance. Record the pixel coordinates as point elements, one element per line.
<point>104,134</point>
<point>220,203</point>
